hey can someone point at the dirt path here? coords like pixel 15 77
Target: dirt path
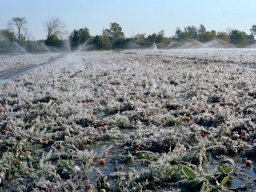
pixel 12 73
pixel 4 75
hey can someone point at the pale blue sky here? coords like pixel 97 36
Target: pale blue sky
pixel 135 16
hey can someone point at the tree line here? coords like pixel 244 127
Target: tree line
pixel 114 37
pixel 233 36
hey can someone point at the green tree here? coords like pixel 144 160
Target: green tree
pixel 202 33
pixel 102 42
pixel 9 35
pixel 140 39
pixel 223 35
pixel 190 32
pixel 162 41
pixel 158 38
pixel 115 34
pixel 79 37
pixel 54 41
pixel 179 35
pixel 238 37
pixel 210 35
pixel 152 38
pixel 74 39
pixel 7 38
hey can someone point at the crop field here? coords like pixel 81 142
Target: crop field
pixel 134 120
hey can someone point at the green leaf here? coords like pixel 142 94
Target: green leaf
pixel 225 180
pixel 189 172
pixel 227 170
pixel 64 164
pixel 224 170
pixel 205 186
pixel 220 169
pixel 202 187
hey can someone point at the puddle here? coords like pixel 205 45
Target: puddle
pixel 246 177
pixel 237 182
pixel 252 173
pixel 242 176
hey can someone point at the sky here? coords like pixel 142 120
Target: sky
pixel 134 16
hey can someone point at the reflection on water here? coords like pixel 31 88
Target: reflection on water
pixel 246 177
pixel 242 176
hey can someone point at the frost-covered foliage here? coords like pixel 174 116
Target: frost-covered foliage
pixel 146 112
pixel 8 62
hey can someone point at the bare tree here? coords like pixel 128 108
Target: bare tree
pixel 54 26
pixel 18 26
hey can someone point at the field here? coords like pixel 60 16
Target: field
pixel 135 120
